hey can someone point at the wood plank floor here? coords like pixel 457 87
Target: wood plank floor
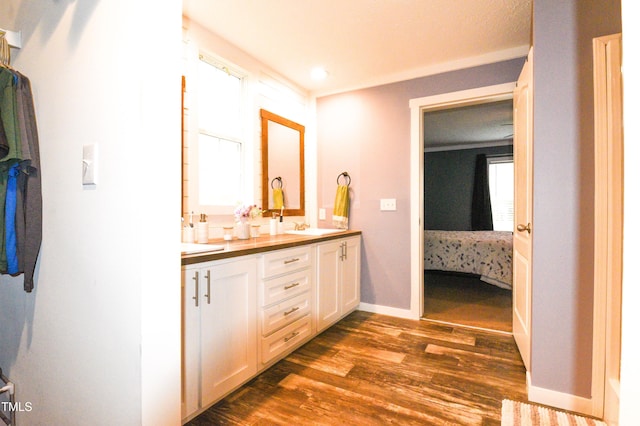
pixel 371 369
pixel 465 299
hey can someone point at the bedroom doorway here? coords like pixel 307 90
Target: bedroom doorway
pixel 454 296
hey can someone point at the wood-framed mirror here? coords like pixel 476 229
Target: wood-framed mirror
pixel 282 165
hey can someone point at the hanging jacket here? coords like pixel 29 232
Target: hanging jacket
pixel 17 116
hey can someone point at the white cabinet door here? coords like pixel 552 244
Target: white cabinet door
pixel 351 275
pixel 228 337
pixel 328 282
pixel 219 332
pixel 190 341
pixel 338 279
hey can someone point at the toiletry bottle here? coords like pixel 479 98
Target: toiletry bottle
pixel 203 230
pixel 273 225
pixel 227 233
pixel 280 226
pixel 189 234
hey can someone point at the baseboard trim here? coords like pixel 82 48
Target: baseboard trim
pixel 563 401
pixel 387 310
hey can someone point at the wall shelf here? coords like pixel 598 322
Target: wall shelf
pixel 14 38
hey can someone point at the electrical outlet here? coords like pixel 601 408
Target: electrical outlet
pixel 388 204
pixel 322 214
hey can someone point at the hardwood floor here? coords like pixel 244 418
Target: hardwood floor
pixel 371 369
pixel 465 299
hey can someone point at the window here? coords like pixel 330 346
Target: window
pixel 221 146
pixel 501 190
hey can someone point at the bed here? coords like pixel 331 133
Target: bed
pixel 484 253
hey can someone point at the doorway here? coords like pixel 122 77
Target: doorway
pixel 484 95
pixel 468 204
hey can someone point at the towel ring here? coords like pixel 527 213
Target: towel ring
pixel 347 178
pixel 279 179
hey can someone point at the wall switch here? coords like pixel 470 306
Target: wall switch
pixel 387 204
pixel 322 214
pixel 90 164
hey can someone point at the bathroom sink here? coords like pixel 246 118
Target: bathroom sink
pixel 315 231
pixel 199 248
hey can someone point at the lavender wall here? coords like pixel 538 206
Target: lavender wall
pixel 367 133
pixel 563 189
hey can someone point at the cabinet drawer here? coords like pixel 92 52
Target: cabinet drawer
pixel 283 340
pixel 282 261
pixel 277 316
pixel 280 288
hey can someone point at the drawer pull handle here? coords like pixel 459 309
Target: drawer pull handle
pixel 292 310
pixel 286 339
pixel 287 287
pixel 208 295
pixel 195 297
pixel 295 259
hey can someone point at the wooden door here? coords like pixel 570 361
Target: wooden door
pixel 523 203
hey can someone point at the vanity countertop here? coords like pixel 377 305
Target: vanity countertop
pixel 261 244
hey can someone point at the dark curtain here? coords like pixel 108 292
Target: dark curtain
pixel 481 217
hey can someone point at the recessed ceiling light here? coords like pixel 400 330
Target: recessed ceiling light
pixel 319 73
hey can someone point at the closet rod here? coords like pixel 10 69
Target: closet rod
pixel 14 38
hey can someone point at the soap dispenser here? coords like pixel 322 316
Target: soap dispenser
pixel 203 230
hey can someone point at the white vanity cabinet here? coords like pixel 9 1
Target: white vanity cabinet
pixel 219 329
pixel 286 301
pixel 244 311
pixel 338 279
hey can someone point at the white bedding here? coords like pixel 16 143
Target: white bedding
pixel 484 253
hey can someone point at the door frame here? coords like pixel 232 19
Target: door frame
pixel 608 205
pixel 418 107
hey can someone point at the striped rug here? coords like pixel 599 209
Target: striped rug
pixel 521 414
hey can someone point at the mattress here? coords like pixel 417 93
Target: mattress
pixel 484 253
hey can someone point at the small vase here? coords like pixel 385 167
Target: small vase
pixel 243 229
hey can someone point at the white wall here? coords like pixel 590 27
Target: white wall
pixel 630 368
pixel 98 340
pixel 265 89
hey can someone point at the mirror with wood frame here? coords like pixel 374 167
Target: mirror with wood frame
pixel 282 165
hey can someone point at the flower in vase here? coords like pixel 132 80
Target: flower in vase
pixel 244 213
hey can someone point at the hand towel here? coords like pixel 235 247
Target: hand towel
pixel 341 208
pixel 278 198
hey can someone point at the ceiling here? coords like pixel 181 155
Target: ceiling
pixel 470 125
pixel 363 43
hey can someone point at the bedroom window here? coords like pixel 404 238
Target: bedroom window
pixel 501 190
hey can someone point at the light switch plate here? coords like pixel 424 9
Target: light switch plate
pixel 90 164
pixel 387 204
